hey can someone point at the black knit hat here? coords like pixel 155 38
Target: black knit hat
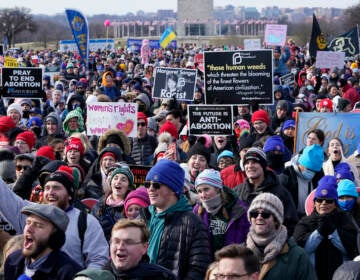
pixel 342 103
pixel 199 149
pixel 114 139
pixel 246 141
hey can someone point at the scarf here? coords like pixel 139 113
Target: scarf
pixel 114 203
pixel 272 243
pixel 213 205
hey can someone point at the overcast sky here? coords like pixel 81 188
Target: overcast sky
pixel 91 7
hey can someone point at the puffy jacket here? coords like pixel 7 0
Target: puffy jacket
pixel 232 176
pixel 143 149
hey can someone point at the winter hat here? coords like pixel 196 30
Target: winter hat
pixel 274 144
pixel 127 172
pixel 144 99
pixel 14 106
pixel 312 157
pixel 269 202
pixel 343 171
pixel 282 104
pixel 326 102
pixel 348 188
pixel 199 149
pixel 46 151
pixel 257 155
pixel 169 173
pixel 28 137
pixel 225 153
pixel 34 121
pixel 326 188
pixel 6 124
pixel 342 103
pixel 245 141
pixel 244 126
pixel 75 144
pixel 152 124
pixel 209 177
pixel 64 176
pixel 142 116
pixel 138 196
pixel 24 101
pixel 109 154
pixel 287 124
pixel 7 165
pixel 164 139
pixel 260 115
pixel 169 127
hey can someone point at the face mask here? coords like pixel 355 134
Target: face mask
pixel 308 174
pixel 346 205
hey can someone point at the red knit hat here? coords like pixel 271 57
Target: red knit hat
pixel 260 115
pixel 108 154
pixel 142 116
pixel 28 137
pixel 6 123
pixel 75 144
pixel 168 126
pixel 326 102
pixel 46 151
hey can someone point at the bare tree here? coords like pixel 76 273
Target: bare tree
pixel 14 21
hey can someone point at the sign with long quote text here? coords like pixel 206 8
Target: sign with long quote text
pixel 238 77
pixel 342 125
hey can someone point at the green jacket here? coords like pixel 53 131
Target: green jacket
pixel 292 263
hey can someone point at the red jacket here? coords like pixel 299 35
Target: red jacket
pixel 232 177
pixel 350 93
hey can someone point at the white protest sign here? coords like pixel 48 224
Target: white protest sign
pixel 275 34
pixel 102 116
pixel 252 44
pixel 327 59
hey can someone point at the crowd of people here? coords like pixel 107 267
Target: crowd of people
pixel 211 207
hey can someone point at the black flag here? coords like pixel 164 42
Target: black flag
pixel 317 41
pixel 347 43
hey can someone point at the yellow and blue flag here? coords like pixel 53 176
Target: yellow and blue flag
pixel 167 37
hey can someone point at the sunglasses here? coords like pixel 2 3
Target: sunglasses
pixel 141 124
pixel 327 200
pixel 20 167
pixel 264 215
pixel 155 185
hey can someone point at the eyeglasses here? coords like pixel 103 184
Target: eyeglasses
pixel 327 200
pixel 229 276
pixel 141 124
pixel 125 242
pixel 20 167
pixel 155 185
pixel 264 215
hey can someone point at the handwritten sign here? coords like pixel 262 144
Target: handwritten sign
pixel 275 34
pixel 252 44
pixel 327 59
pixel 342 125
pixel 210 119
pixel 102 116
pixel 238 77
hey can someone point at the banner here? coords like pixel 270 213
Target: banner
pixel 94 45
pixel 238 77
pixel 317 40
pixel 79 28
pixel 135 44
pixel 342 125
pixel 102 116
pixel 328 59
pixel 174 82
pixel 22 82
pixel 140 172
pixel 347 43
pixel 167 37
pixel 210 119
pixel 275 34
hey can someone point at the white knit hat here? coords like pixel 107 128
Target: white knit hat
pixel 14 106
pixel 269 202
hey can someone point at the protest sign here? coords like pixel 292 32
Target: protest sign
pixel 94 45
pixel 199 59
pixel 342 125
pixel 102 116
pixel 275 34
pixel 140 172
pixel 174 82
pixel 288 79
pixel 134 45
pixel 22 82
pixel 238 77
pixel 11 62
pixel 210 119
pixel 328 59
pixel 252 44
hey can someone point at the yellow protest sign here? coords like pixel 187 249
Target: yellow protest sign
pixel 11 62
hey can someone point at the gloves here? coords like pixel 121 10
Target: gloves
pixel 326 225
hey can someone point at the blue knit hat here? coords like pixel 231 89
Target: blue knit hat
pixel 209 177
pixel 326 188
pixel 312 157
pixel 287 124
pixel 225 153
pixel 342 171
pixel 169 173
pixel 347 187
pixel 274 143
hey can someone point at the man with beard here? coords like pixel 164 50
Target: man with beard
pixel 41 257
pixel 90 249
